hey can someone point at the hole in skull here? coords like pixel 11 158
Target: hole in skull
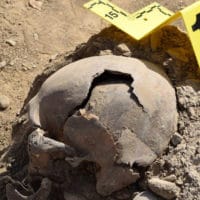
pixel 107 77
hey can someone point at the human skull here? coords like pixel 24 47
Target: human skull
pixel 114 111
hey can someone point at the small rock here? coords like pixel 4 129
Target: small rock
pixel 176 139
pixel 171 178
pixel 123 49
pixel 182 101
pixel 53 57
pixel 105 52
pixel 193 175
pixel 191 112
pixel 11 42
pixel 25 69
pixel 3 169
pixel 179 182
pixel 3 64
pixel 12 62
pixel 36 36
pixel 165 189
pixel 145 196
pixel 4 102
pixel 37 4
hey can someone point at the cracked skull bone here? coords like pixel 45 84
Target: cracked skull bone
pixel 111 110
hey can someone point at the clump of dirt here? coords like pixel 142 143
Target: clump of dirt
pixel 171 49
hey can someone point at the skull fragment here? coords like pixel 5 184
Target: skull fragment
pixel 114 111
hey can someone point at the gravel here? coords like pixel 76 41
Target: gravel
pixel 165 189
pixel 4 102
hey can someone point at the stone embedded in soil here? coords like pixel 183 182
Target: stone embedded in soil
pixel 123 49
pixel 2 64
pixel 37 4
pixel 4 102
pixel 11 42
pixel 146 195
pixel 165 189
pixel 191 112
pixel 176 139
pixel 36 36
pixel 105 52
pixel 171 178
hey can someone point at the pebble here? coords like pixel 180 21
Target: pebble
pixel 179 182
pixel 123 49
pixel 36 36
pixel 193 175
pixel 176 139
pixel 182 101
pixel 191 112
pixel 4 102
pixel 12 62
pixel 3 169
pixel 171 178
pixel 164 189
pixel 105 52
pixel 3 64
pixel 37 4
pixel 146 195
pixel 11 42
pixel 53 57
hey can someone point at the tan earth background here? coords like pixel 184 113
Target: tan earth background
pixel 35 35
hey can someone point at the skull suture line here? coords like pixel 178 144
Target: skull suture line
pixel 114 111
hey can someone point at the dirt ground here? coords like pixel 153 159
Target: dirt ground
pixel 35 39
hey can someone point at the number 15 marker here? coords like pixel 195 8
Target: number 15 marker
pixel 149 19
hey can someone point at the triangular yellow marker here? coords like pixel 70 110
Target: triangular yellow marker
pixel 148 19
pixel 138 24
pixel 191 17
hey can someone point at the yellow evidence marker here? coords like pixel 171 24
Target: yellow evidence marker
pixel 191 17
pixel 138 24
pixel 149 19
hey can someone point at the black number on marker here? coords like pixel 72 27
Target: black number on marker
pixel 111 15
pixel 196 25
